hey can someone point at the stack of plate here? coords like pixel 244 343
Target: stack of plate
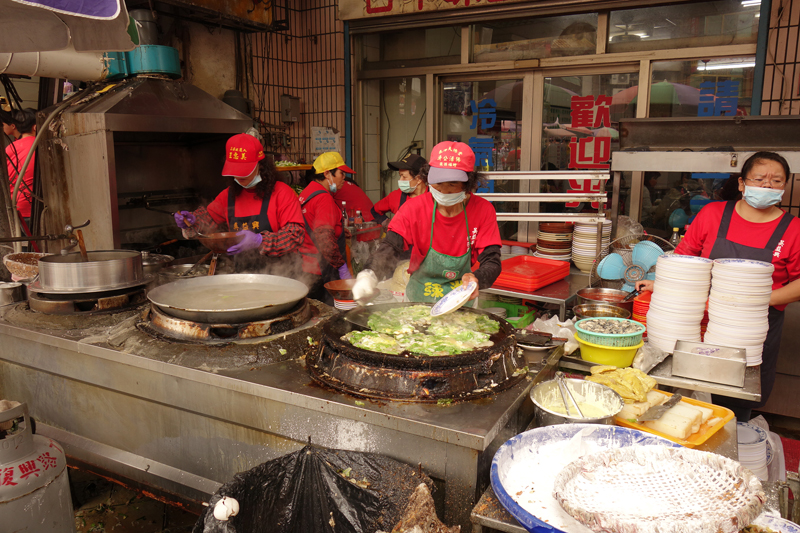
pixel 584 243
pixel 753 444
pixel 554 241
pixel 344 305
pixel 498 311
pixel 641 304
pixel 739 304
pixel 679 300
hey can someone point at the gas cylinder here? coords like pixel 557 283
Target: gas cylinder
pixel 34 487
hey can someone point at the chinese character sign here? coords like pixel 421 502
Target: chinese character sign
pixel 324 140
pixel 483 147
pixel 589 153
pixel 484 113
pixel 719 99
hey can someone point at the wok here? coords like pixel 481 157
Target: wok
pixel 220 242
pixel 228 298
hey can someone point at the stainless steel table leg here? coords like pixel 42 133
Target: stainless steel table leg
pixel 460 491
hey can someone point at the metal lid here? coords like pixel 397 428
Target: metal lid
pixel 149 259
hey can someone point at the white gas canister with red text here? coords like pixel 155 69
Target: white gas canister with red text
pixel 34 486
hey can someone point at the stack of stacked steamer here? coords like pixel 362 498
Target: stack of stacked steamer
pixel 640 306
pixel 584 243
pixel 554 241
pixel 679 300
pixel 739 304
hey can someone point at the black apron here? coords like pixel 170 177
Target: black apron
pixel 329 273
pixel 251 261
pixel 723 248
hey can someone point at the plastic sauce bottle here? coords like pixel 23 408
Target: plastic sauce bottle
pixel 676 237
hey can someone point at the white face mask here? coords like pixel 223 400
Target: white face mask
pixel 448 199
pixel 255 181
pixel 405 186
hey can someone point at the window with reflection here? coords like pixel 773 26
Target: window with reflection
pixel 411 48
pixel 487 115
pixel 581 116
pixel 512 39
pixel 684 25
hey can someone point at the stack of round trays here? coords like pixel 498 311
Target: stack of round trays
pixel 739 304
pixel 753 443
pixel 554 241
pixel 679 300
pixel 584 243
pixel 344 305
pixel 641 304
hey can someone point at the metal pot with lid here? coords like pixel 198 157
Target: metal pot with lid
pixel 152 263
pixel 105 270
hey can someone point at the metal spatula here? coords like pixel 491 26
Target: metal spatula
pixel 359 316
pixel 654 413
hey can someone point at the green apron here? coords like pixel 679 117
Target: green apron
pixel 439 273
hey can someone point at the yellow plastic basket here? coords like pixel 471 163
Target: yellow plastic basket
pixel 608 355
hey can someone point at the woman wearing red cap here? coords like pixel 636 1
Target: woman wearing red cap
pixel 448 230
pixel 256 205
pixel 324 247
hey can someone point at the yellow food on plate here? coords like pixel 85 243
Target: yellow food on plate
pixel 630 383
pixel 671 424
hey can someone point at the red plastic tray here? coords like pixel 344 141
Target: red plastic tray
pixel 527 273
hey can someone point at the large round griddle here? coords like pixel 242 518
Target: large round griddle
pixel 229 298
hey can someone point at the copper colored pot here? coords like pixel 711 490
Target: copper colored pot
pixel 341 289
pixel 220 242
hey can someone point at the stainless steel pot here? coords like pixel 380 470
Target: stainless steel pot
pixel 228 298
pixel 546 393
pixel 594 295
pixel 12 292
pixel 104 271
pixel 153 263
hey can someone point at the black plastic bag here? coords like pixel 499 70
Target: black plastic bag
pixel 317 490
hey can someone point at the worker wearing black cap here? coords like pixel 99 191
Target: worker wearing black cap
pixel 411 184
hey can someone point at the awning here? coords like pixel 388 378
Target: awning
pixel 44 25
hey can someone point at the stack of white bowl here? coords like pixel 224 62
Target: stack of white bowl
pixel 584 243
pixel 739 304
pixel 344 305
pixel 554 241
pixel 753 442
pixel 679 300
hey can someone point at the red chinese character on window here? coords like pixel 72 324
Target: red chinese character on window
pixel 590 153
pixel 7 478
pixel 602 115
pixel 27 468
pixel 582 111
pixel 47 460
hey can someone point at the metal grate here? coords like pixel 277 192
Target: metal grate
pixel 307 61
pixel 781 95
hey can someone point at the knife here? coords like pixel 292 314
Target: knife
pixel 654 413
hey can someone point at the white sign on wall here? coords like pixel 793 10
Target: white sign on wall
pixel 324 140
pixel 356 9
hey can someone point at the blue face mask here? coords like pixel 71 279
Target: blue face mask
pixel 253 183
pixel 333 186
pixel 761 197
pixel 448 199
pixel 405 186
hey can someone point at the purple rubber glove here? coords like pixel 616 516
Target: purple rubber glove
pixel 184 219
pixel 251 241
pixel 343 272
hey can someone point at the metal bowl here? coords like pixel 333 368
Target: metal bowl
pixel 602 295
pixel 547 393
pixel 341 289
pixel 220 242
pixel 599 310
pixel 153 263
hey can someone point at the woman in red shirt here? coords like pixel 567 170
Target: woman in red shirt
pixel 448 230
pixel 256 205
pixel 753 228
pixel 20 125
pixel 410 185
pixel 324 247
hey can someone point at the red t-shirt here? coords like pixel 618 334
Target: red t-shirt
pixel 283 207
pixel 413 223
pixel 16 153
pixel 320 211
pixel 390 203
pixel 702 233
pixel 357 200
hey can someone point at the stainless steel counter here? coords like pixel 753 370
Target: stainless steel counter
pixel 183 418
pixel 662 373
pixel 561 293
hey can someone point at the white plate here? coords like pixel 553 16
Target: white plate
pixel 778 525
pixel 453 299
pixel 748 434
